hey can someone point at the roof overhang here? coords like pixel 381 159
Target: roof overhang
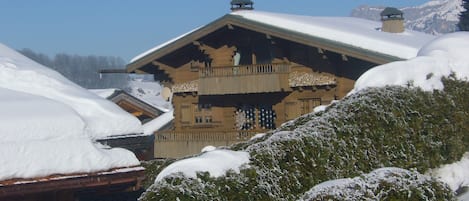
pixel 235 20
pixel 129 178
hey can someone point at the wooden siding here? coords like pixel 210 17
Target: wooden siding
pixel 256 78
pixel 180 144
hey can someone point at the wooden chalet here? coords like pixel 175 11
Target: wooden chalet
pixel 249 71
pixel 120 184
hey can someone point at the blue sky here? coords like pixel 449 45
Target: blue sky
pixel 127 28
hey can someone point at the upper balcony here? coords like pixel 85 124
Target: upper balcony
pixel 244 79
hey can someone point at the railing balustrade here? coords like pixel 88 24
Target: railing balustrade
pixel 204 136
pixel 241 70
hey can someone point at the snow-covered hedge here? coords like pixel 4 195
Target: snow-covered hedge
pixel 400 127
pixel 381 184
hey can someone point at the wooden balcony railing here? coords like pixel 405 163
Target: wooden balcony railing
pixel 253 69
pixel 205 136
pixel 255 78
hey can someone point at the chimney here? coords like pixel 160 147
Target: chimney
pixel 241 5
pixel 393 20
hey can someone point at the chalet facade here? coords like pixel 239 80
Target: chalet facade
pixel 250 71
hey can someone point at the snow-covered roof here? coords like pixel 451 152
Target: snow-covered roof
pixel 158 123
pixel 48 123
pixel 350 32
pixel 105 93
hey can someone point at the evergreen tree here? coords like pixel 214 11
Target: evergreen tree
pixel 84 70
pixel 464 17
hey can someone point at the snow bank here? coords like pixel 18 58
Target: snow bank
pixel 102 118
pixel 216 162
pixel 456 175
pixel 438 58
pixel 47 122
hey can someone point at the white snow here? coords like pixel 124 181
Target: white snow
pixel 102 118
pixel 47 123
pixel 441 57
pixel 216 162
pixel 150 93
pixel 104 93
pixel 159 46
pixel 208 148
pixel 456 175
pixel 157 123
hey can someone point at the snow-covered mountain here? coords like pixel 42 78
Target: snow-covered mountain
pixel 434 17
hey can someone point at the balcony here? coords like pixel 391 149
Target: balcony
pixel 244 79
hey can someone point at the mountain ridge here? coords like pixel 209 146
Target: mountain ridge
pixel 434 17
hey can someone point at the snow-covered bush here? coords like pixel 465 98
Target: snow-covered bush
pixel 381 184
pixel 374 128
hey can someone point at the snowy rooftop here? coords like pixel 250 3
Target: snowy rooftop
pixel 48 124
pixel 349 31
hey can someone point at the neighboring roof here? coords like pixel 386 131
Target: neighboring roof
pixel 158 123
pixel 346 35
pixel 117 95
pixel 48 124
pixel 123 178
pixel 389 11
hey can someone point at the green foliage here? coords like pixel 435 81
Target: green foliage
pixel 378 127
pixel 153 168
pixel 464 17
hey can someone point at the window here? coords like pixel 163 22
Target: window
pixel 203 114
pixel 249 117
pixel 267 117
pixel 245 117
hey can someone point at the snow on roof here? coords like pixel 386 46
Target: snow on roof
pixel 352 31
pixel 157 123
pixel 439 58
pixel 47 123
pixel 159 46
pixel 104 93
pixel 102 118
pixel 355 32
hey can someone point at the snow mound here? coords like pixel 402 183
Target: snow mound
pixel 102 118
pixel 47 123
pixel 215 162
pixel 439 58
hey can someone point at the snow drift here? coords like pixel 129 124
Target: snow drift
pixel 47 123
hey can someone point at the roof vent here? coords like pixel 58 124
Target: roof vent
pixel 241 5
pixel 393 20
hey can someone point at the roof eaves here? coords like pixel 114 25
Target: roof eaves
pixel 178 43
pixel 313 40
